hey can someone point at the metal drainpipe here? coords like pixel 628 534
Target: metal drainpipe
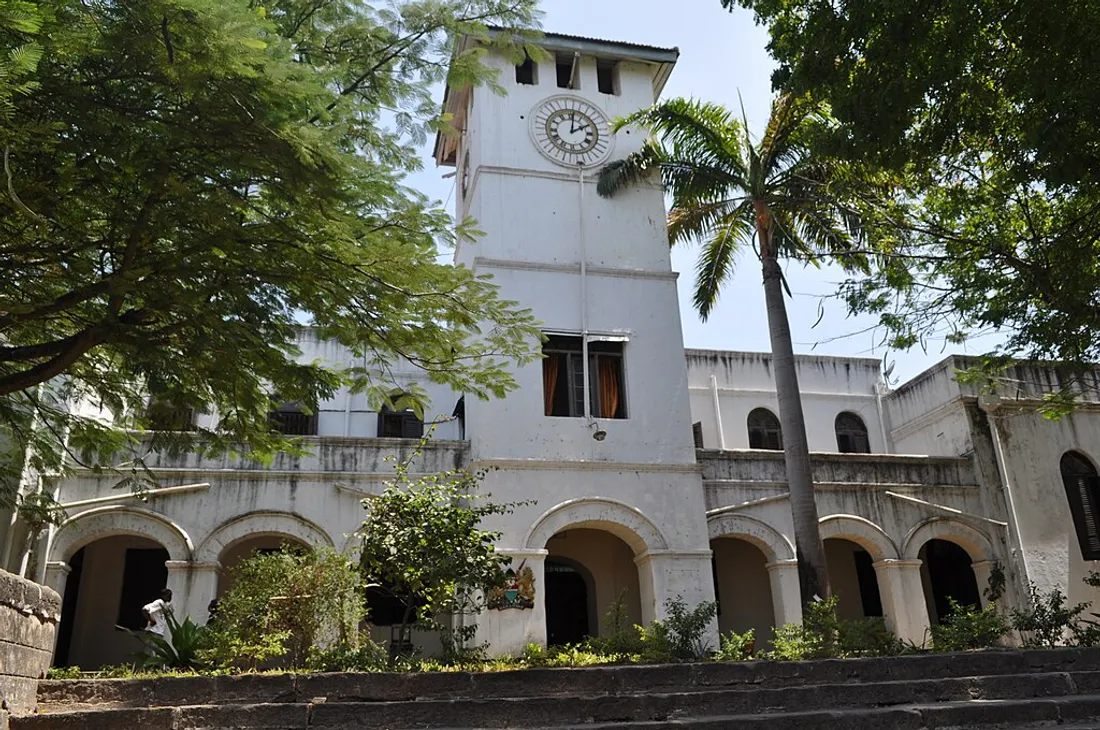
pixel 584 295
pixel 717 412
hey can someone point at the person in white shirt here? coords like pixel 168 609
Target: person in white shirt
pixel 156 614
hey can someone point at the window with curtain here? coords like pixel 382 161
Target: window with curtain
pixel 851 435
pixel 563 378
pixel 764 430
pixel 1082 485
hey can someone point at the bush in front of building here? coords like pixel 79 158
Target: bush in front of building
pixel 284 604
pixel 824 635
pixel 967 627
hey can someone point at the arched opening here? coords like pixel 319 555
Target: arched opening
pixel 605 566
pixel 851 434
pixel 243 549
pixel 111 579
pixel 946 573
pixel 567 604
pixel 1082 486
pixel 764 430
pixel 853 579
pixel 742 588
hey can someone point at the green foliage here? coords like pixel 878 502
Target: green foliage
pixel 823 635
pixel 64 673
pixel 181 650
pixel 618 635
pixel 680 637
pixel 362 655
pixel 285 603
pixel 1047 621
pixel 185 182
pixel 946 76
pixel 735 647
pixel 422 542
pixel 995 168
pixel 967 627
pixel 716 174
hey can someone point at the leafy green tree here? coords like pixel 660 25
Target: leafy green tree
pixel 987 113
pixel 422 544
pixel 188 181
pixel 777 197
pixel 283 604
pixel 910 81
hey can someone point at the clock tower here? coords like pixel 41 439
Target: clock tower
pixel 597 439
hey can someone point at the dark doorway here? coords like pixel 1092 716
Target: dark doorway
pixel 566 605
pixel 68 609
pixel 143 578
pixel 869 594
pixel 950 576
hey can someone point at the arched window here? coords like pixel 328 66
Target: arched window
pixel 1083 493
pixel 764 430
pixel 851 434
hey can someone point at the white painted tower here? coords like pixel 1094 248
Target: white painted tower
pixel 605 448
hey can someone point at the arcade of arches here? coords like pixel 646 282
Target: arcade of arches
pixel 744 589
pixel 127 572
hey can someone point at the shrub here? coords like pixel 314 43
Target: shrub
pixel 619 635
pixel 969 628
pixel 1048 621
pixel 64 673
pixel 423 543
pixel 681 636
pixel 735 647
pixel 285 603
pixel 181 651
pixel 823 634
pixel 364 655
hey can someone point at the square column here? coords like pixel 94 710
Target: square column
pixel 786 592
pixel 666 575
pixel 193 586
pixel 57 577
pixel 902 592
pixel 508 631
pixel 982 571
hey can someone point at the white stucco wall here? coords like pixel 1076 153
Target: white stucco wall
pixel 745 381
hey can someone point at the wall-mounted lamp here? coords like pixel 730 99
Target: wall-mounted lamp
pixel 599 434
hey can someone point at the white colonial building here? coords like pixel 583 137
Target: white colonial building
pixel 652 472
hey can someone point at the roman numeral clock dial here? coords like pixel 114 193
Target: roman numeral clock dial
pixel 571 132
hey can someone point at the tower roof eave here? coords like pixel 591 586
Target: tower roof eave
pixel 663 60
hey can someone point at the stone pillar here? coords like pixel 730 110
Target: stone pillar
pixel 903 602
pixel 29 615
pixel 982 570
pixel 663 576
pixel 509 630
pixel 786 592
pixel 193 586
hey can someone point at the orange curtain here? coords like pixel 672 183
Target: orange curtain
pixel 549 382
pixel 609 387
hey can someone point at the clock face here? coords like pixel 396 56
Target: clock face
pixel 571 132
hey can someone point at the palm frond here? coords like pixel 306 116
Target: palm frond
pixel 631 170
pixel 718 258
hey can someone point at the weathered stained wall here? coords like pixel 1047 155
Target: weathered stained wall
pixel 744 381
pixel 28 622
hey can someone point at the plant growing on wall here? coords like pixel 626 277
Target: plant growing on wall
pixel 422 542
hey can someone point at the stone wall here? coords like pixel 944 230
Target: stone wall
pixel 29 614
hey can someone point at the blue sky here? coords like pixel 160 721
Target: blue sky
pixel 722 56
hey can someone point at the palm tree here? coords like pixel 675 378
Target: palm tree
pixel 775 195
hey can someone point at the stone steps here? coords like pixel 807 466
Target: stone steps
pixel 1007 689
